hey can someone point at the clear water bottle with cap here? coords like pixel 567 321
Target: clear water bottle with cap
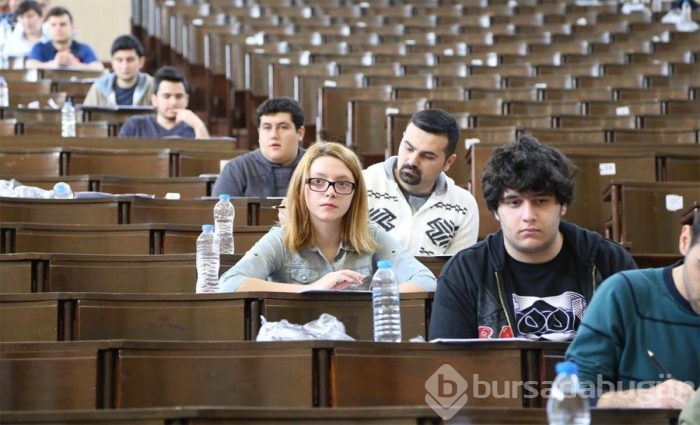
pixel 4 93
pixel 207 260
pixel 62 190
pixel 386 304
pixel 567 404
pixel 68 120
pixel 224 213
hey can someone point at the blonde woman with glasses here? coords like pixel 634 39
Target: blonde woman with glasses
pixel 327 241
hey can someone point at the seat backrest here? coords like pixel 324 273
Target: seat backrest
pixel 120 162
pixel 31 162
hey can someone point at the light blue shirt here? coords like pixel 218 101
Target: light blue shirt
pixel 269 259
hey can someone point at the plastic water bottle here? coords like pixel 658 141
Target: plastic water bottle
pixel 207 260
pixel 566 404
pixel 68 120
pixel 4 93
pixel 224 214
pixel 386 304
pixel 62 190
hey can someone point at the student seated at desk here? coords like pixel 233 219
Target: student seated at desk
pixel 535 276
pixel 172 118
pixel 126 84
pixel 27 33
pixel 62 51
pixel 634 313
pixel 326 242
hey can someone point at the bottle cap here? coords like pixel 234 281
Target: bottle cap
pixel 224 197
pixel 384 264
pixel 208 228
pixel 568 368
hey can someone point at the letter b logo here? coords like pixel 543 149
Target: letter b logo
pixel 446 391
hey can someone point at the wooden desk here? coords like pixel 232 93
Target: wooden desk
pixel 640 219
pixel 57 316
pixel 354 309
pixel 115 117
pixel 65 211
pixel 300 374
pixel 184 316
pixel 127 239
pixel 150 274
pixel 344 416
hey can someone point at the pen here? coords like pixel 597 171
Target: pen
pixel 279 207
pixel 658 363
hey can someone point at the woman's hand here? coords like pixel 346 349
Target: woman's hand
pixel 339 280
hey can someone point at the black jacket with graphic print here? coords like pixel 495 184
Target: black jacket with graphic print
pixel 473 299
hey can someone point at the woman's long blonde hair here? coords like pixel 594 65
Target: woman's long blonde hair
pixel 298 231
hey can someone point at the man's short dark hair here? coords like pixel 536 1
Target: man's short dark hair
pixel 59 11
pixel 282 104
pixel 437 121
pixel 127 42
pixel 169 73
pixel 26 6
pixel 528 166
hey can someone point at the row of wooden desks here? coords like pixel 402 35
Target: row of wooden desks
pixel 125 209
pixel 302 374
pixel 343 416
pixel 74 316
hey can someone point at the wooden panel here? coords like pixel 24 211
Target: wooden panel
pixel 195 212
pixel 48 380
pixel 30 162
pixel 187 187
pixel 588 209
pixel 225 377
pixel 67 238
pixel 29 319
pixel 342 416
pixel 159 318
pixel 367 131
pixel 180 239
pixel 123 162
pixel 394 385
pixel 16 275
pixel 657 229
pixel 353 309
pixel 333 108
pixel 125 273
pixel 69 211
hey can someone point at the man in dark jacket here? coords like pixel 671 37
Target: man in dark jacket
pixel 535 276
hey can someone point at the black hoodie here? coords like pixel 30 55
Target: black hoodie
pixel 473 298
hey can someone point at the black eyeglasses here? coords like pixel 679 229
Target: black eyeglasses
pixel 321 185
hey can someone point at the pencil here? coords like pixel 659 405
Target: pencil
pixel 658 363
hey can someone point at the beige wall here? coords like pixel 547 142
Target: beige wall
pixel 99 22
